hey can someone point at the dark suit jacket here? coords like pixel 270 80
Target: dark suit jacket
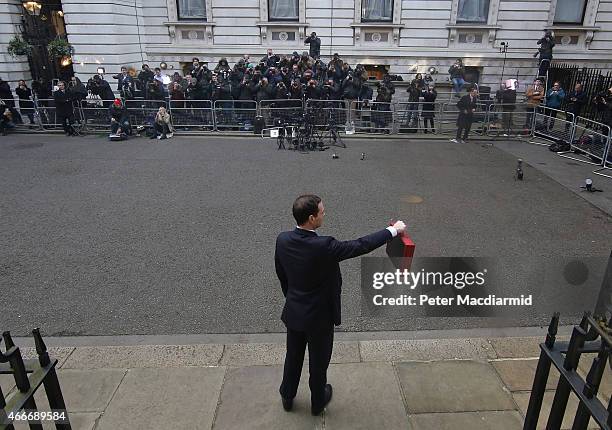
pixel 309 273
pixel 466 104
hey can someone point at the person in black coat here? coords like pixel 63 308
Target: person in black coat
pixel 429 108
pixel 307 266
pixel 315 45
pixel 7 97
pixel 120 122
pixel 545 52
pixel 26 105
pixel 466 106
pixel 64 109
pixel 507 98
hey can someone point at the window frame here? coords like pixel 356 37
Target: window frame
pixel 182 19
pixel 485 22
pixel 584 11
pixel 367 21
pixel 272 19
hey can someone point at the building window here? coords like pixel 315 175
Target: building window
pixel 283 10
pixel 377 10
pixel 191 9
pixel 570 11
pixel 473 11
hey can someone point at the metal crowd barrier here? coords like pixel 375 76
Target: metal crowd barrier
pixel 411 117
pixel 236 115
pixel 193 115
pixel 449 114
pixel 591 139
pixel 334 113
pixel 509 119
pixel 547 124
pixel 371 117
pixel 142 112
pixel 280 110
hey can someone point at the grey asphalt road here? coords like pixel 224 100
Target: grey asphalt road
pixel 150 237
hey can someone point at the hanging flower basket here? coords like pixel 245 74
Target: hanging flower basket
pixel 60 48
pixel 17 46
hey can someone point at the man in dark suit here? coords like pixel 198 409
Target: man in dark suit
pixel 309 273
pixel 466 106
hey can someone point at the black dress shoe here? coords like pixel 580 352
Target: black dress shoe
pixel 287 404
pixel 328 396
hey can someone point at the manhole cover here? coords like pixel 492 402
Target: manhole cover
pixel 412 199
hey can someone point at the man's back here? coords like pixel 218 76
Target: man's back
pixel 308 268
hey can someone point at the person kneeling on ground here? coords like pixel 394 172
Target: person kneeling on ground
pixel 6 120
pixel 120 123
pixel 163 128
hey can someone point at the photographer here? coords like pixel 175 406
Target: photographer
pixel 296 92
pixel 414 96
pixel 26 106
pixel 382 109
pixel 315 45
pixel 330 90
pixel 350 88
pixel 554 99
pixel 222 67
pixel 119 118
pixel 507 98
pixel 64 109
pixel 534 94
pixel 419 82
pixel 282 92
pixel 545 52
pixel 429 107
pixel 163 125
pixel 312 90
pixel 125 84
pixel 6 119
pixel 457 76
pixel 576 101
pixel 270 59
pixel 144 77
pixel 99 87
pixel 7 96
pixel 78 90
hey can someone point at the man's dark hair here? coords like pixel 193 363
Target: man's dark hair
pixel 304 206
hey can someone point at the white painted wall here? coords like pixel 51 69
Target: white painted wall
pixel 107 32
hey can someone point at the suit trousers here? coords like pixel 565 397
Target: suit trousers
pixel 320 344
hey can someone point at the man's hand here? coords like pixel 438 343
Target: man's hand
pixel 399 226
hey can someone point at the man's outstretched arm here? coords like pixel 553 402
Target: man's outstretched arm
pixel 343 250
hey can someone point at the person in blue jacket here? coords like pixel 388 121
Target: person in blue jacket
pixel 554 100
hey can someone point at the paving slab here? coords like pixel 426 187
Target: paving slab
pixel 425 350
pixel 366 396
pixel 144 356
pixel 520 347
pixel 492 420
pixel 522 400
pixel 253 354
pixel 250 400
pixel 85 390
pixel 518 374
pixel 517 347
pixel 164 398
pixel 7 383
pixel 452 386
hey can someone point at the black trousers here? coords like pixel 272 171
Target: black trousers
pixel 66 121
pixel 465 129
pixel 320 344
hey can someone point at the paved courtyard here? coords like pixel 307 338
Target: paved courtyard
pixel 150 237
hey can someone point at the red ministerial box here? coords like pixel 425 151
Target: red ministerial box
pixel 401 250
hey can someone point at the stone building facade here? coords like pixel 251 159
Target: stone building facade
pixel 401 36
